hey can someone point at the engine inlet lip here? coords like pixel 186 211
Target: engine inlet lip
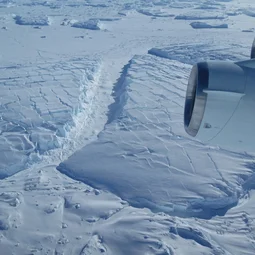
pixel 196 98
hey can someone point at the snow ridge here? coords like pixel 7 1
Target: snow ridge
pixel 81 128
pixel 119 94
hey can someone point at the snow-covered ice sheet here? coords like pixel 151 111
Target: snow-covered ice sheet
pixel 144 135
pixel 105 108
pixel 39 104
pixel 43 212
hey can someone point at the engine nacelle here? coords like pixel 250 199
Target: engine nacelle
pixel 220 103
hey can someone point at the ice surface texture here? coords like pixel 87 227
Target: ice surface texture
pixel 140 186
pixel 39 103
pixel 144 134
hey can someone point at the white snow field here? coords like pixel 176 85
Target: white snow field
pixel 94 158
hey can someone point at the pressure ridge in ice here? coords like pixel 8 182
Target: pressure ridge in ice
pixel 201 25
pixel 32 21
pixel 192 53
pixel 201 15
pixel 93 24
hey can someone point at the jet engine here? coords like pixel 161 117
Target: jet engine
pixel 220 103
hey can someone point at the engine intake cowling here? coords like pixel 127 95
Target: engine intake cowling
pixel 220 103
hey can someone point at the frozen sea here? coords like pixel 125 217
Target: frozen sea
pixel 94 158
